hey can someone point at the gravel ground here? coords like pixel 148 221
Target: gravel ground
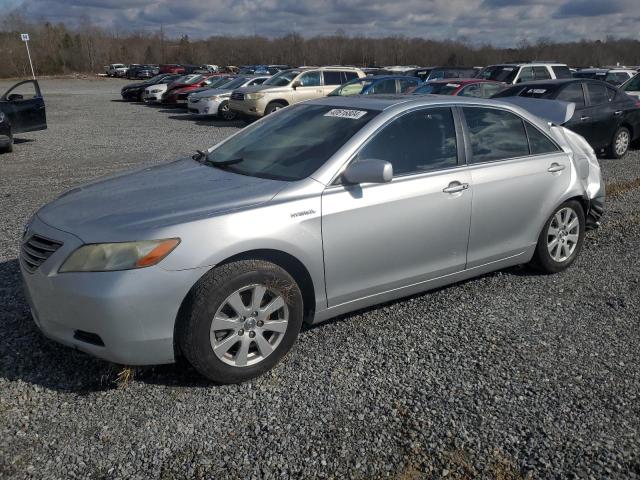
pixel 511 375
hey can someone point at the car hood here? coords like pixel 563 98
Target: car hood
pixel 211 91
pixel 259 88
pixel 134 204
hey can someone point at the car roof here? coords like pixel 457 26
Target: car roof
pixel 560 81
pixel 384 102
pixel 385 77
pixel 463 81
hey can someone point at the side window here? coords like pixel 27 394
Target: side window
pixel 539 143
pixel 526 74
pixel 597 93
pixel 572 93
pixel 348 76
pixel 420 141
pixel 561 71
pixel 384 86
pixel 474 90
pixel 541 73
pixel 22 91
pixel 257 81
pixel 332 78
pixel 406 85
pixel 495 134
pixel 310 79
pixel 490 89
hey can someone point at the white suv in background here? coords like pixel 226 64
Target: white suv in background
pixel 512 73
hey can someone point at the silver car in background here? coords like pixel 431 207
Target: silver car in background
pixel 322 208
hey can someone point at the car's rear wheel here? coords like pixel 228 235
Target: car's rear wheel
pixel 620 143
pixel 240 320
pixel 273 106
pixel 225 112
pixel 561 239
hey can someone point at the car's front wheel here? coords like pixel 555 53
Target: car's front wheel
pixel 273 106
pixel 225 112
pixel 620 143
pixel 240 320
pixel 561 239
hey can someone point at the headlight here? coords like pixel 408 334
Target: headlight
pixel 215 98
pixel 254 96
pixel 106 257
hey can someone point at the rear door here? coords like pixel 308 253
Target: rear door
pixel 332 79
pixel 581 121
pixel 24 106
pixel 518 175
pixel 602 110
pixel 380 237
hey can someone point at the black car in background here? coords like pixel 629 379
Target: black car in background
pixel 22 110
pixel 135 91
pixel 605 116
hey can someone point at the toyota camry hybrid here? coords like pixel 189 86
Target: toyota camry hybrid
pixel 319 209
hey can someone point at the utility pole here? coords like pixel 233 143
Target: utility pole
pixel 25 38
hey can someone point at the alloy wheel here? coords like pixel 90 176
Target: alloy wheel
pixel 622 143
pixel 563 234
pixel 249 325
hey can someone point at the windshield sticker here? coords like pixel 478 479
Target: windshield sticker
pixel 537 90
pixel 342 113
pixel 454 85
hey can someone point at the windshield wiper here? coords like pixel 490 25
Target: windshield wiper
pixel 203 158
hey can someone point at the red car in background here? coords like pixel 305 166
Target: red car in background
pixel 177 92
pixel 172 68
pixel 466 87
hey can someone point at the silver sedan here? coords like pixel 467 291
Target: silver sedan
pixel 319 209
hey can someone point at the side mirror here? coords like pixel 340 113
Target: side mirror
pixel 15 96
pixel 368 171
pixel 296 84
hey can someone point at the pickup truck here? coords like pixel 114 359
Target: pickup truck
pixel 116 70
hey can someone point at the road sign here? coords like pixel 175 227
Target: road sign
pixel 24 37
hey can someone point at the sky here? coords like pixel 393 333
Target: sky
pixel 500 22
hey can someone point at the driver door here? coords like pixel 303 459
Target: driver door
pixel 24 106
pixel 310 87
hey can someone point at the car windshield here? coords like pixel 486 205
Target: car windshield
pixel 234 83
pixel 439 88
pixel 499 73
pixel 293 143
pixel 632 84
pixel 194 79
pixel 157 78
pixel 354 87
pixel 282 79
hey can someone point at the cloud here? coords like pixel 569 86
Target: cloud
pixel 501 22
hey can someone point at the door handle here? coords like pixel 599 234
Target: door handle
pixel 617 113
pixel 455 187
pixel 584 118
pixel 555 167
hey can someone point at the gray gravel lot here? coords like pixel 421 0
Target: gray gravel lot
pixel 511 375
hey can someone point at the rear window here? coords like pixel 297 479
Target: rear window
pixel 561 71
pixel 572 93
pixel 539 143
pixel 499 73
pixel 597 93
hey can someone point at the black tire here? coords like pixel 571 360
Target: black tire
pixel 225 113
pixel 273 106
pixel 9 147
pixel 210 294
pixel 543 259
pixel 616 149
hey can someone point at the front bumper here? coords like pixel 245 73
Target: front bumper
pixel 252 108
pixel 132 312
pixel 153 97
pixel 209 107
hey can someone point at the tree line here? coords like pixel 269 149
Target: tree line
pixel 57 49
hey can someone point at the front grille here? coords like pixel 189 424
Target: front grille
pixel 36 250
pixel 237 96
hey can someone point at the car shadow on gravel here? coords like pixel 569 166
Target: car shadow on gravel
pixel 208 122
pixel 27 356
